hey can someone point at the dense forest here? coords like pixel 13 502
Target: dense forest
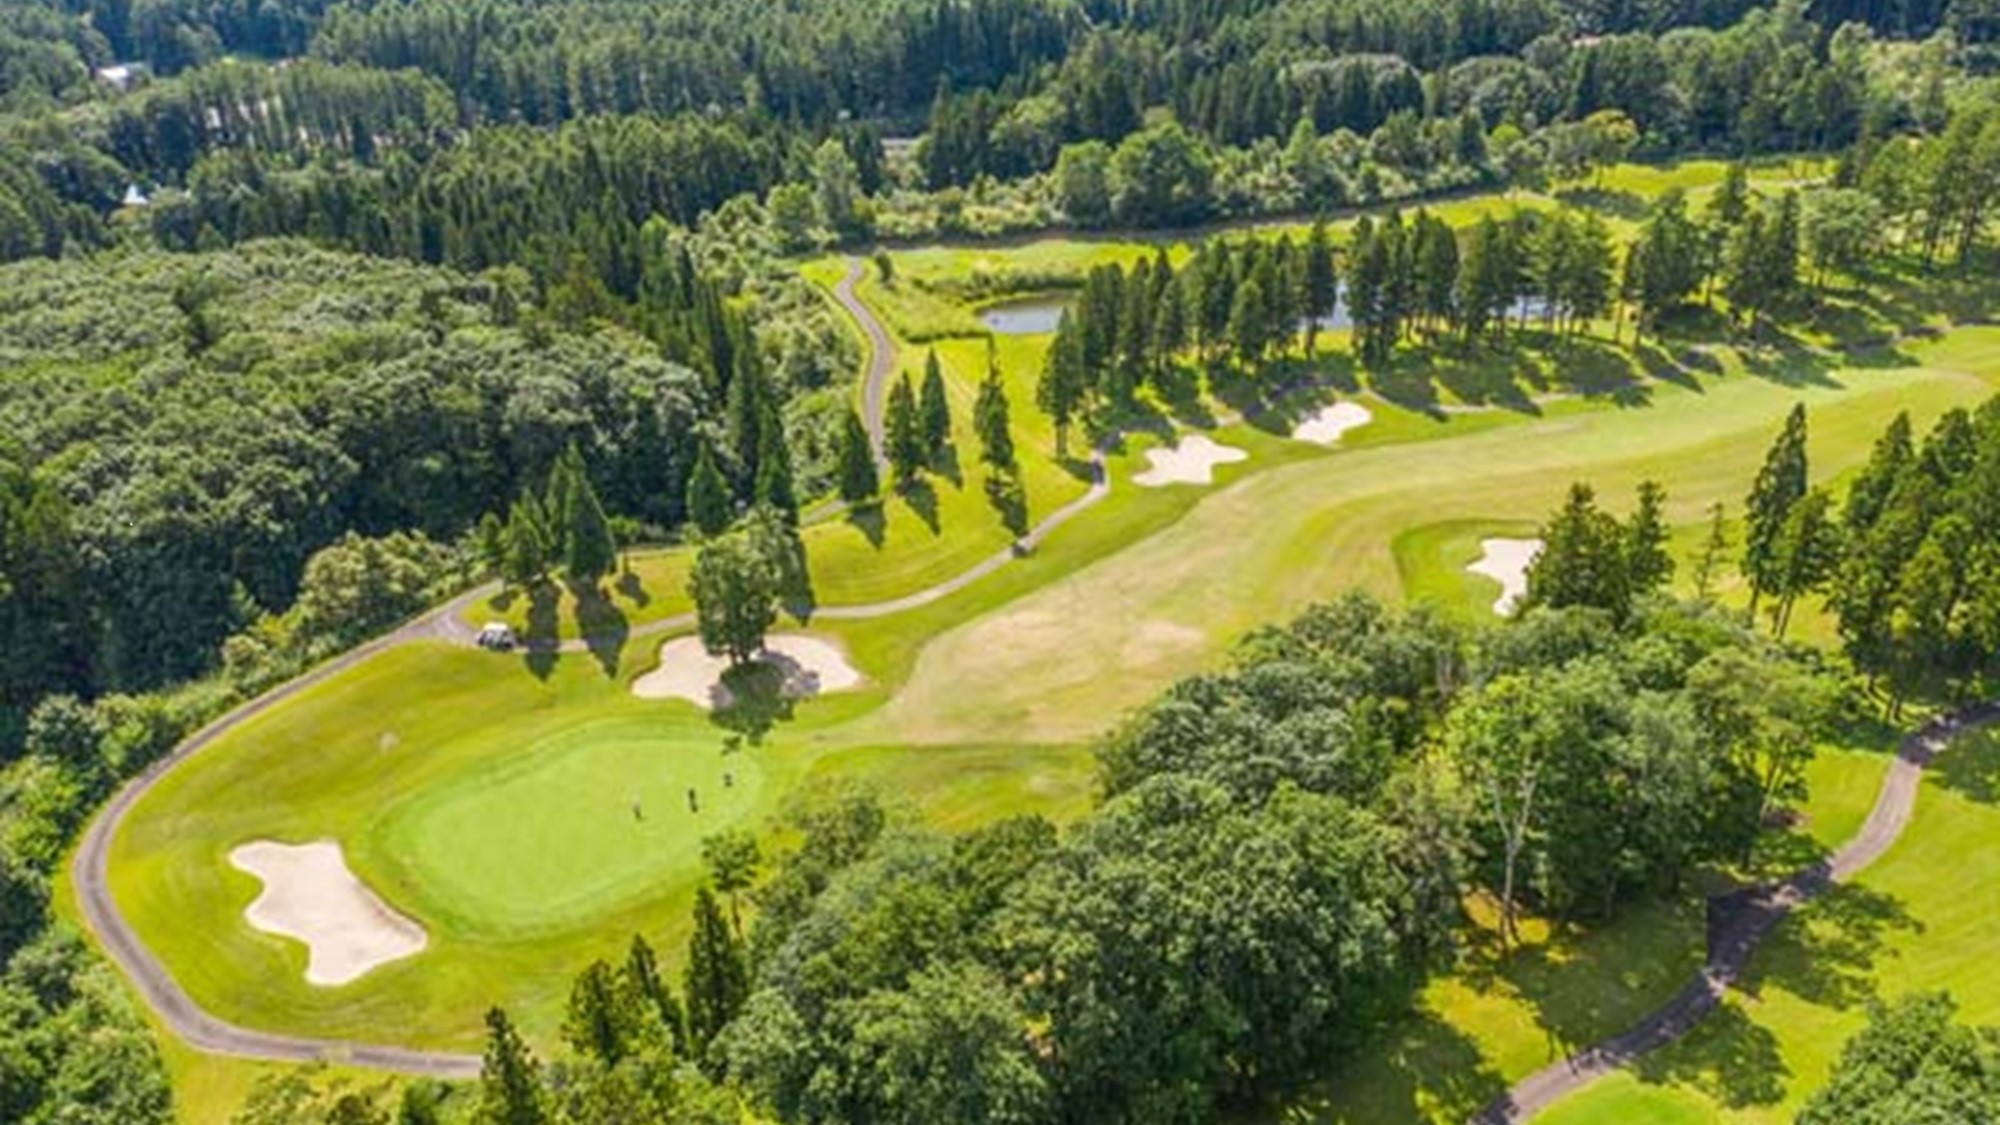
pixel 313 310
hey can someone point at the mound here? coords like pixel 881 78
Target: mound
pixel 1506 561
pixel 1190 461
pixel 807 666
pixel 311 896
pixel 1327 425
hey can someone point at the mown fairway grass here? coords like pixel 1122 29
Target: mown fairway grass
pixel 499 813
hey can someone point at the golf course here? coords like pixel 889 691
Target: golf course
pixel 513 817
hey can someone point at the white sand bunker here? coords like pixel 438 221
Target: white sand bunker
pixel 808 665
pixel 1325 426
pixel 309 894
pixel 1191 461
pixel 1506 561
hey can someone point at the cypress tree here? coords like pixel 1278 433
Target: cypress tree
pixel 858 480
pixel 708 504
pixel 1321 290
pixel 1780 484
pixel 934 410
pixel 989 415
pixel 642 978
pixel 1061 389
pixel 1648 566
pixel 510 1085
pixel 774 486
pixel 589 550
pixel 906 436
pixel 718 981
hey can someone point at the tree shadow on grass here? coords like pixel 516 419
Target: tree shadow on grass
pixel 632 590
pixel 922 498
pixel 760 697
pixel 602 625
pixel 1179 390
pixel 1418 1068
pixel 1826 953
pixel 870 521
pixel 543 637
pixel 1586 984
pixel 1730 1057
pixel 1970 767
pixel 1596 369
pixel 945 464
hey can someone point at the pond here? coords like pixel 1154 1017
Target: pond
pixel 1028 316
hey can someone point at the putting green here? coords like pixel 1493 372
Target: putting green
pixel 580 821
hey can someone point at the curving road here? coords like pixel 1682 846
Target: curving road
pixel 90 867
pixel 881 355
pixel 1731 946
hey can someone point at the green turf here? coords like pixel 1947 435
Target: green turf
pixel 499 813
pixel 1921 918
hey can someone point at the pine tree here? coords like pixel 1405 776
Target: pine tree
pixel 1869 496
pixel 510 1085
pixel 1780 485
pixel 906 435
pixel 589 550
pixel 858 480
pixel 1712 550
pixel 774 488
pixel 1248 331
pixel 1584 559
pixel 1648 565
pixel 934 410
pixel 708 504
pixel 1060 392
pixel 527 557
pixel 1806 552
pixel 717 979
pixel 989 415
pixel 492 544
pixel 1321 288
pixel 599 1021
pixel 643 981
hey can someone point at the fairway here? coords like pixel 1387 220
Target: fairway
pixel 532 813
pixel 582 820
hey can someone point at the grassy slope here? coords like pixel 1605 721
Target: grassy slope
pixel 1392 482
pixel 1919 919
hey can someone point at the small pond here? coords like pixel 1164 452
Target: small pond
pixel 1028 316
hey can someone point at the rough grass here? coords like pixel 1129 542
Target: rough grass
pixel 1921 918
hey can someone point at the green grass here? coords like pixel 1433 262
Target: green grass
pixel 1921 918
pixel 499 813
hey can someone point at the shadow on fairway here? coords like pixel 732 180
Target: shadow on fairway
pixel 543 636
pixel 1421 1069
pixel 1971 768
pixel 602 625
pixel 869 521
pixel 1826 954
pixel 1734 1060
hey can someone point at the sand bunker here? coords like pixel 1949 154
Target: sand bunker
pixel 1191 461
pixel 310 895
pixel 808 666
pixel 1326 426
pixel 1506 561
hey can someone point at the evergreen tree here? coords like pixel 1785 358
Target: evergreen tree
pixel 589 551
pixel 934 410
pixel 906 433
pixel 1060 391
pixel 1584 559
pixel 599 1021
pixel 1249 333
pixel 1780 485
pixel 774 487
pixel 709 507
pixel 717 978
pixel 1806 552
pixel 1648 565
pixel 650 990
pixel 989 414
pixel 858 479
pixel 1712 550
pixel 510 1084
pixel 1321 288
pixel 527 555
pixel 1869 496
